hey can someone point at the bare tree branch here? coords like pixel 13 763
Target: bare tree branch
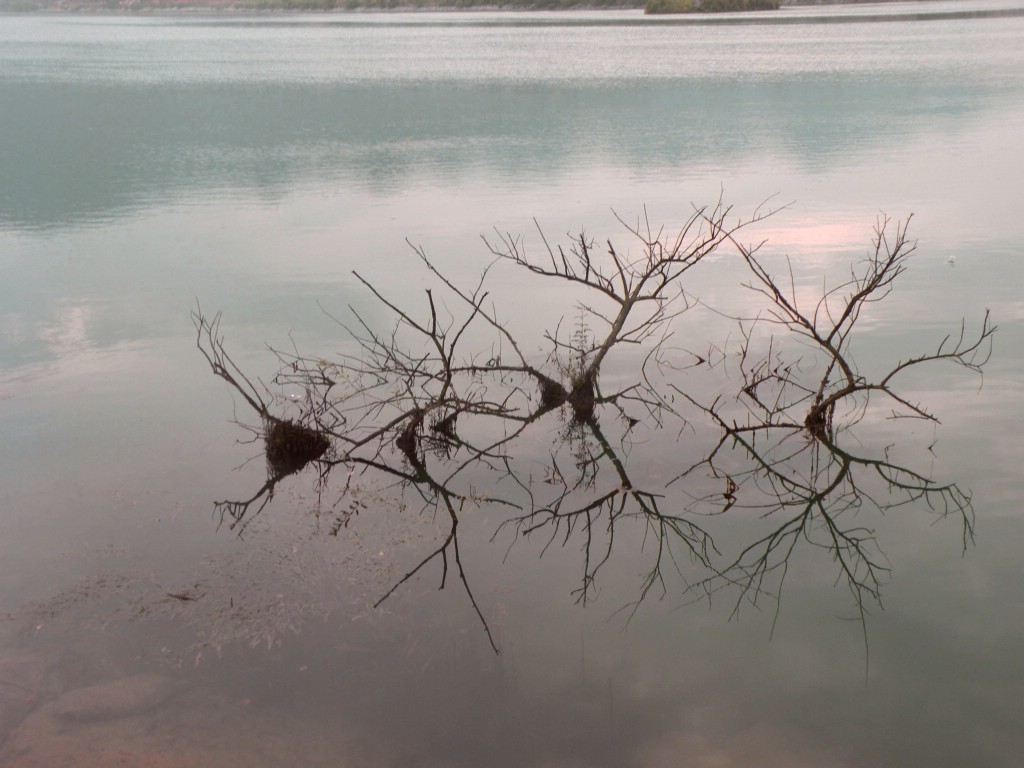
pixel 444 401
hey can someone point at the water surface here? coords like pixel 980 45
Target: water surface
pixel 250 164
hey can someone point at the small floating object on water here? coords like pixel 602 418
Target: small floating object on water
pixel 951 260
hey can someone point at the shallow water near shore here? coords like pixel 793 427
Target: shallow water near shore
pixel 250 164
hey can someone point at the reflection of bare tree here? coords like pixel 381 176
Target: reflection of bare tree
pixel 806 490
pixel 442 403
pixel 597 496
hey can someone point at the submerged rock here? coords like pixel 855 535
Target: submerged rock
pixel 120 698
pixel 23 685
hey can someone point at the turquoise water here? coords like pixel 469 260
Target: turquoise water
pixel 251 163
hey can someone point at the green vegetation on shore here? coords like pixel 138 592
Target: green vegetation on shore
pixel 709 6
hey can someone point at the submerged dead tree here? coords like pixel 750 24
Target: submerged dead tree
pixel 447 406
pixel 288 445
pixel 782 452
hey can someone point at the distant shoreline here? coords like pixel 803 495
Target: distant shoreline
pixel 341 8
pixel 231 7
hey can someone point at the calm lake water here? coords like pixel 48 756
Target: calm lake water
pixel 250 164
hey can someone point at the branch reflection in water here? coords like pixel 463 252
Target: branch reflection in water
pixel 446 402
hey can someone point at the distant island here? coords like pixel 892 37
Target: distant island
pixel 709 6
pixel 261 6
